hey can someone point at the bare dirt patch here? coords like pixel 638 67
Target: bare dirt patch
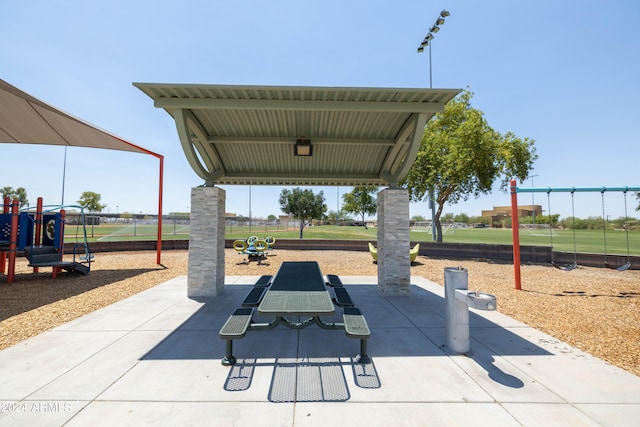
pixel 594 309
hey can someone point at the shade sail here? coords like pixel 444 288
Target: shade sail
pixel 25 119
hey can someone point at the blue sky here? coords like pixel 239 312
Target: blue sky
pixel 564 73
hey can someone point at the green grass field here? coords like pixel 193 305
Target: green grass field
pixel 587 241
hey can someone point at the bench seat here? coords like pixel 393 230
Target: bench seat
pixel 355 326
pixel 342 298
pixel 254 297
pixel 333 280
pixel 263 281
pixel 236 326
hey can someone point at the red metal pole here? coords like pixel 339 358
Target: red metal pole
pixel 3 254
pixel 13 241
pixel 161 158
pixel 159 242
pixel 515 229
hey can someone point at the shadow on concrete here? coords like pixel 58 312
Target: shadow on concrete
pixel 401 326
pixel 304 380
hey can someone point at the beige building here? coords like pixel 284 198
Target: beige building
pixel 501 212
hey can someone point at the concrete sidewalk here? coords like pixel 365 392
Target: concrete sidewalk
pixel 154 359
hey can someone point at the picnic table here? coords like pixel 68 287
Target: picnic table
pixel 297 290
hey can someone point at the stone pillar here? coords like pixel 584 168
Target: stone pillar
pixel 206 243
pixel 394 266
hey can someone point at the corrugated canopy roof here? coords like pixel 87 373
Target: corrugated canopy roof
pixel 246 134
pixel 28 120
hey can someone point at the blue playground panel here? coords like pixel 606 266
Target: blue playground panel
pixel 52 227
pixel 25 229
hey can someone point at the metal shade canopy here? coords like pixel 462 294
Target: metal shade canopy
pixel 247 134
pixel 25 119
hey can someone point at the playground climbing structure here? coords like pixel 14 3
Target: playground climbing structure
pixel 39 236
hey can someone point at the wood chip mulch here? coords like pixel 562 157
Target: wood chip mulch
pixel 594 309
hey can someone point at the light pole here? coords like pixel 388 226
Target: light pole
pixel 337 203
pixel 427 42
pixel 64 173
pixel 430 36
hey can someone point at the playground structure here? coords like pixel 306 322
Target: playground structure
pixel 254 248
pixel 39 236
pixel 602 190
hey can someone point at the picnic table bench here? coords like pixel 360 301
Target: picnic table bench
pixel 298 289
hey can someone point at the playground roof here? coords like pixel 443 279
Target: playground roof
pixel 25 119
pixel 247 134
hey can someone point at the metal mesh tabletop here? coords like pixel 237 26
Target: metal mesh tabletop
pixel 298 289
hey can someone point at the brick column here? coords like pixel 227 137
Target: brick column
pixel 206 243
pixel 394 274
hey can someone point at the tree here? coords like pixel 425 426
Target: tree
pixel 463 218
pixel 477 220
pixel 448 217
pixel 302 205
pixel 19 193
pixel 462 156
pixel 360 201
pixel 335 217
pixel 91 201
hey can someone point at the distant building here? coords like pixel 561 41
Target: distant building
pixel 500 213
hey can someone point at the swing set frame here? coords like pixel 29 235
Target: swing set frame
pixel 515 223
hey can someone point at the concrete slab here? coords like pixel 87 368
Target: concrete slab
pixel 155 358
pixel 402 414
pixel 214 414
pixel 87 380
pixel 34 363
